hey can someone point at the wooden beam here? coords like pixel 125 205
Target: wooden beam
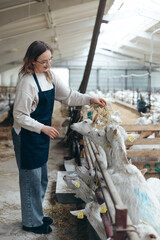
pixel 140 128
pixel 145 134
pixel 24 39
pixel 144 141
pixel 152 166
pixel 155 153
pixel 96 31
pixel 22 11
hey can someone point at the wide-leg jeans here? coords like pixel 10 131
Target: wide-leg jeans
pixel 33 185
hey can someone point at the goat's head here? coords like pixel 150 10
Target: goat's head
pixel 115 135
pixel 98 137
pixel 83 127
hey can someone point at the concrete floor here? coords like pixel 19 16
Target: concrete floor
pixel 10 211
pixel 65 226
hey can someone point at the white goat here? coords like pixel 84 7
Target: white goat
pixel 154 183
pixel 86 128
pixel 135 193
pixel 116 117
pixel 88 176
pixel 146 232
pixel 92 211
pixel 144 121
pixel 81 189
pixel 148 118
pixel 83 127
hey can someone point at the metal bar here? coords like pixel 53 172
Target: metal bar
pixel 91 158
pixel 119 206
pixel 105 192
pixel 100 13
pixel 108 201
pixel 90 151
pixel 116 198
pixel 107 225
pixel 90 164
pixel 105 21
pixel 105 218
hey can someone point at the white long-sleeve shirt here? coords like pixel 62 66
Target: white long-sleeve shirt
pixel 26 100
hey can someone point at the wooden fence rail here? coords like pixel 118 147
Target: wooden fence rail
pixel 151 162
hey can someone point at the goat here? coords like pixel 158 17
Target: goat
pixel 134 191
pixel 92 212
pixel 81 189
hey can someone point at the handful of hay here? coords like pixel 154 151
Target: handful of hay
pixel 101 116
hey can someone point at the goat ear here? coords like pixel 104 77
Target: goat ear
pixel 76 212
pixel 152 236
pixel 143 171
pixel 94 119
pixel 115 132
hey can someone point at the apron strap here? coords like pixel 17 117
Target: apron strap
pixel 36 80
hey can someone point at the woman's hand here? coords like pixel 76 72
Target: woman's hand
pixel 99 101
pixel 50 131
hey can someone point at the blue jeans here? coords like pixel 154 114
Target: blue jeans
pixel 33 185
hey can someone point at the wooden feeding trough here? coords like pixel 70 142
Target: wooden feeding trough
pixel 152 164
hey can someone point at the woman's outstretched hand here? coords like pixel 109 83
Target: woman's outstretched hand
pixel 99 101
pixel 50 131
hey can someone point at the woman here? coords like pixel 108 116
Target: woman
pixel 32 130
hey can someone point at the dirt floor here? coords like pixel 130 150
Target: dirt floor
pixel 128 116
pixel 65 226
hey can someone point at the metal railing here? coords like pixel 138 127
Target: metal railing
pixel 117 223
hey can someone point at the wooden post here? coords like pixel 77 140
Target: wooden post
pixel 121 223
pixel 100 13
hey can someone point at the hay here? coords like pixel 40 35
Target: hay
pixel 101 116
pixel 61 214
pixel 67 226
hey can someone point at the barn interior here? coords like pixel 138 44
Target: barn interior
pixel 105 48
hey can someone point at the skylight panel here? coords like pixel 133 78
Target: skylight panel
pixel 125 21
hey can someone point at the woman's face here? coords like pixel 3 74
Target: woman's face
pixel 43 62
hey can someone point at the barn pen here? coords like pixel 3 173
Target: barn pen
pixel 104 182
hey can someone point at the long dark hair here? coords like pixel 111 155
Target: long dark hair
pixel 33 52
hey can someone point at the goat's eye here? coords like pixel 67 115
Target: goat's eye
pixel 99 135
pixel 85 121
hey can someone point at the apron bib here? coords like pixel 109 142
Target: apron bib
pixel 34 146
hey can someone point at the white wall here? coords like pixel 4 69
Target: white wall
pixel 9 78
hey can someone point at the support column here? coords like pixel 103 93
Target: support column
pixel 99 18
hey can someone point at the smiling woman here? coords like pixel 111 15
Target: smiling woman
pixel 45 62
pixel 37 89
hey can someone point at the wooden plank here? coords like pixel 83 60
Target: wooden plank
pixel 143 153
pixel 154 174
pixel 152 166
pixel 145 134
pixel 137 128
pixel 144 141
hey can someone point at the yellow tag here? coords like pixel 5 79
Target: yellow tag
pixel 131 138
pixel 108 146
pixel 115 132
pixel 97 183
pixel 103 209
pixel 145 223
pixel 80 215
pixel 77 184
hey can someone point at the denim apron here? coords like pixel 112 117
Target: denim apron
pixel 34 146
